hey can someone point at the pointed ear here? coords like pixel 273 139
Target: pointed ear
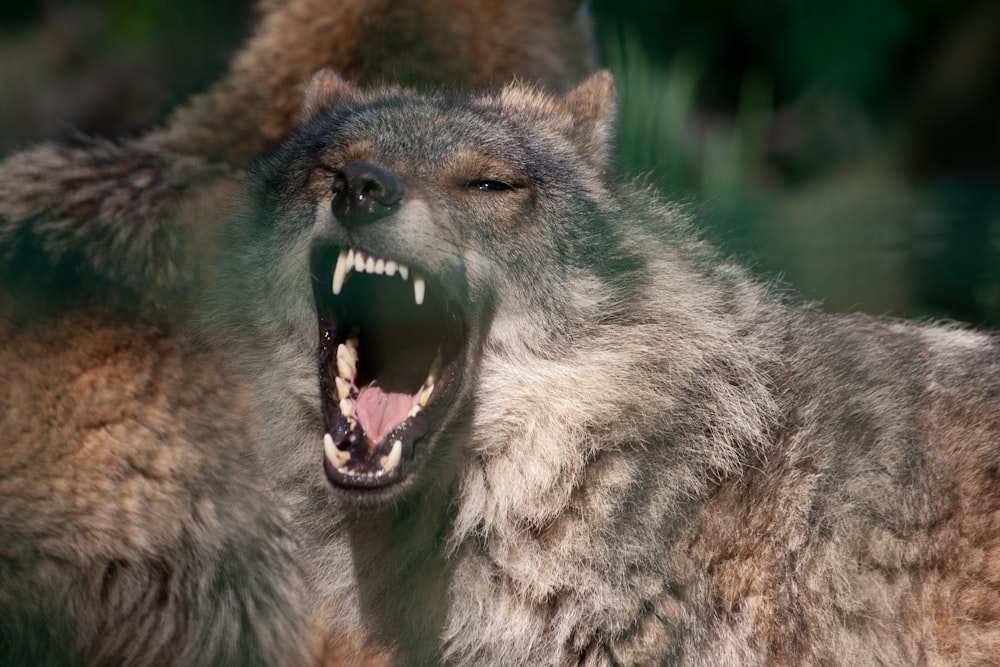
pixel 592 106
pixel 325 90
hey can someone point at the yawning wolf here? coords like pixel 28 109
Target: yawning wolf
pixel 521 415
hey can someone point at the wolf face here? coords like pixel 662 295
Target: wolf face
pixel 415 219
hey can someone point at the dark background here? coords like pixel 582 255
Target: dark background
pixel 849 147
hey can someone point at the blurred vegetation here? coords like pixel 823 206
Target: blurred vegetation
pixel 851 147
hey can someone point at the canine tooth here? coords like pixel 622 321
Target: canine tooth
pixel 391 267
pixel 370 265
pixel 359 261
pixel 414 411
pixel 340 271
pixel 343 387
pixel 425 396
pixel 346 407
pixel 404 272
pixel 335 456
pixel 418 288
pixel 352 344
pixel 434 372
pixel 391 461
pixel 346 360
pixel 380 267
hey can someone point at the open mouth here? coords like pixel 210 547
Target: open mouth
pixel 390 357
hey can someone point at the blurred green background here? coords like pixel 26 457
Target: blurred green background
pixel 851 148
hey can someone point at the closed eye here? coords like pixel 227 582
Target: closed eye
pixel 487 185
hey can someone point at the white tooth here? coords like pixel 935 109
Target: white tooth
pixel 370 265
pixel 391 461
pixel 346 359
pixel 391 267
pixel 380 267
pixel 348 351
pixel 340 272
pixel 352 344
pixel 414 411
pixel 418 288
pixel 335 456
pixel 350 259
pixel 404 272
pixel 434 373
pixel 343 387
pixel 425 396
pixel 346 407
pixel 359 261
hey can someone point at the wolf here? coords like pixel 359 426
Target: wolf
pixel 522 414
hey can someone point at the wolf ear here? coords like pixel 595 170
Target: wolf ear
pixel 325 90
pixel 592 106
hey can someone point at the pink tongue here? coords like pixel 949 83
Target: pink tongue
pixel 380 411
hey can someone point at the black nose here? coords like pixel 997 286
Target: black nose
pixel 363 192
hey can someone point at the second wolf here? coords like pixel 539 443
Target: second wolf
pixel 529 419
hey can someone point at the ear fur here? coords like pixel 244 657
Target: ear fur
pixel 325 90
pixel 592 106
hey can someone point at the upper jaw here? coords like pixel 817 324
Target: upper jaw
pixel 350 260
pixel 391 355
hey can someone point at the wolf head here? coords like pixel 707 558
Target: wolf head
pixel 427 260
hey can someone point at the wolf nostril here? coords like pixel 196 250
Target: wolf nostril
pixel 363 192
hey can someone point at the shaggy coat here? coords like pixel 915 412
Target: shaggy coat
pixel 642 456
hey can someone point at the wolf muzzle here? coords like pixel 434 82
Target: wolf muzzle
pixel 363 192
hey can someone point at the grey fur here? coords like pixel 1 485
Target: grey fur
pixel 651 458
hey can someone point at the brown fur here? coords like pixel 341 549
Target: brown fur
pixel 132 530
pixel 419 42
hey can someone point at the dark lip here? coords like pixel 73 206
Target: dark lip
pixel 362 471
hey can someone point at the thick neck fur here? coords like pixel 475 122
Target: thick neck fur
pixel 403 571
pixel 544 529
pixel 559 525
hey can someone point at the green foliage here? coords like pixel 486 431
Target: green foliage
pixel 826 141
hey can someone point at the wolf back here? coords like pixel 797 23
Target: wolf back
pixel 129 220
